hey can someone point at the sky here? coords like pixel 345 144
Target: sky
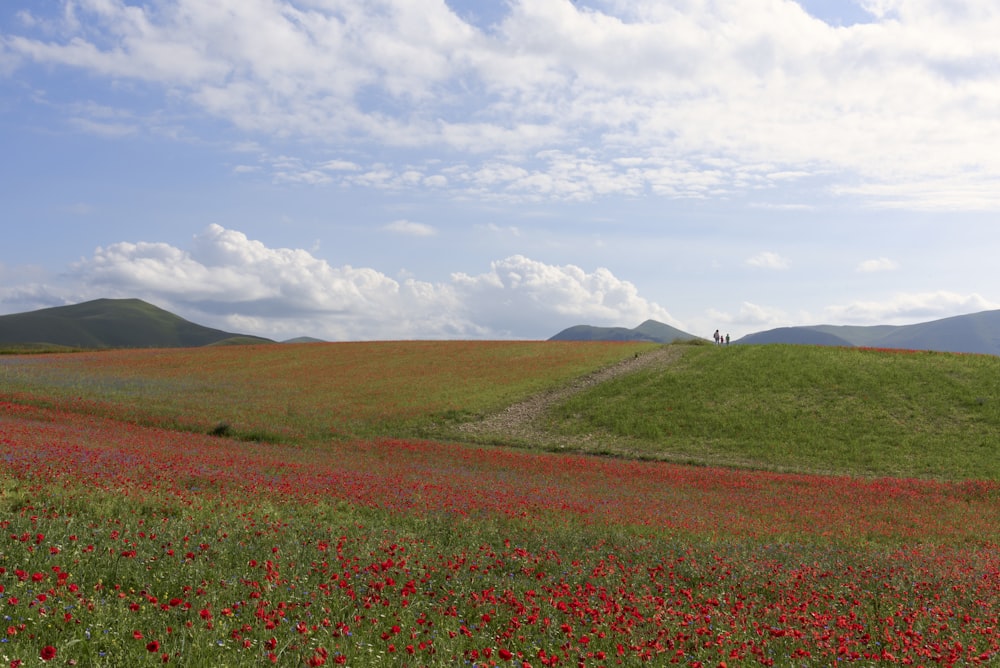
pixel 502 169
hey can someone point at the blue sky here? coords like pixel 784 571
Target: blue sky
pixel 394 169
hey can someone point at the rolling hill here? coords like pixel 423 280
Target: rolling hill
pixel 650 330
pixel 111 323
pixel 973 333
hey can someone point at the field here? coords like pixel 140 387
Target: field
pixel 246 506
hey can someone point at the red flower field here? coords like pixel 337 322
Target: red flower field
pixel 127 545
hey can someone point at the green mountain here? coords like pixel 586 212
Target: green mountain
pixel 974 333
pixel 111 323
pixel 651 330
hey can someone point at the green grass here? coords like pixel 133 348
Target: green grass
pixel 795 408
pixel 804 408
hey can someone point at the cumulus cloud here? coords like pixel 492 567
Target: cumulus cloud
pixel 224 279
pixel 519 294
pixel 560 100
pixel 768 260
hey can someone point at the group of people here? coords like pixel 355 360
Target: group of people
pixel 721 340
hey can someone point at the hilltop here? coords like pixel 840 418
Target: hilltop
pixel 111 323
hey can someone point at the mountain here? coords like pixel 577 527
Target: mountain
pixel 651 330
pixel 111 323
pixel 810 336
pixel 973 333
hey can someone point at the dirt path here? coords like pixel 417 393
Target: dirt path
pixel 519 422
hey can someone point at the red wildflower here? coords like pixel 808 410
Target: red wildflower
pixel 48 653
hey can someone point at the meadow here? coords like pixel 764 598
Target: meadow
pixel 841 410
pixel 318 527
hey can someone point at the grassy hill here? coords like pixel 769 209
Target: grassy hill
pixel 109 323
pixel 803 408
pixel 777 407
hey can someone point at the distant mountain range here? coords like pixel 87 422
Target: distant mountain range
pixel 651 330
pixel 111 323
pixel 974 333
pixel 133 323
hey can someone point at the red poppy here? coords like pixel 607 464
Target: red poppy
pixel 48 653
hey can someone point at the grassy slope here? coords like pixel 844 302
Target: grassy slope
pixel 776 407
pixel 806 408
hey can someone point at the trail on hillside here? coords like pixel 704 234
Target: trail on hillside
pixel 520 421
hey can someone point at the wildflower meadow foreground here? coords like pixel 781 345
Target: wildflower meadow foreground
pixel 304 506
pixel 126 545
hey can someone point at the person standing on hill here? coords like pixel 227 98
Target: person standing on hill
pixel 716 336
pixel 727 338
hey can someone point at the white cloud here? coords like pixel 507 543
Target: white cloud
pixel 233 281
pixel 768 260
pixel 755 314
pixel 751 317
pixel 879 264
pixel 906 308
pixel 410 228
pixel 726 97
pixel 523 295
pixel 227 280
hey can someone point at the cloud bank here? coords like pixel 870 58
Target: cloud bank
pixel 559 100
pixel 227 280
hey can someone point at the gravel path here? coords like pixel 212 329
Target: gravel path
pixel 520 422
